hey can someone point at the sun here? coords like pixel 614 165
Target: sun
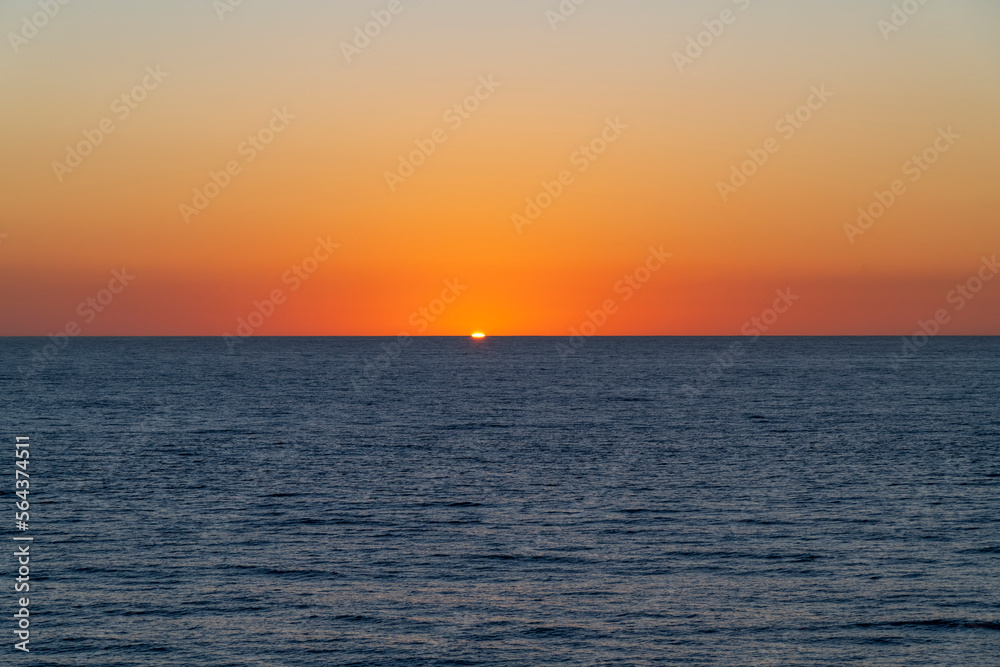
pixel 479 334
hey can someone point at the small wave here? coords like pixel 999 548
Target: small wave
pixel 471 427
pixel 357 618
pixel 535 558
pixel 794 558
pixel 555 631
pixel 995 549
pixel 949 624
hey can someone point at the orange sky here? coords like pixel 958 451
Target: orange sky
pixel 266 92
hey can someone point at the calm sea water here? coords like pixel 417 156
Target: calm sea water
pixel 493 504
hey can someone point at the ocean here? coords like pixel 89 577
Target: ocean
pixel 640 501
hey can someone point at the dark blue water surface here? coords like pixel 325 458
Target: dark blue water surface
pixel 804 502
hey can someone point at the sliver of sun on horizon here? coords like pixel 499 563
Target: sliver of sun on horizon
pixel 479 335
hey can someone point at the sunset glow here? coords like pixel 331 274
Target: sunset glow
pixel 851 163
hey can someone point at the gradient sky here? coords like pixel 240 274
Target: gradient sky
pixel 323 176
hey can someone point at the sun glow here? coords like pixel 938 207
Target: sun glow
pixel 479 335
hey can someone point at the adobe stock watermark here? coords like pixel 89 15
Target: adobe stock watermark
pixel 787 126
pixel 223 7
pixel 254 145
pixel 626 288
pixel 561 14
pixel 753 329
pixel 900 16
pixel 586 155
pixel 455 116
pixel 33 24
pixel 914 168
pixel 420 320
pixel 294 277
pixel 364 34
pixel 122 107
pixel 958 298
pixel 88 310
pixel 698 44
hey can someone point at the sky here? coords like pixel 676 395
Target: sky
pixel 524 167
